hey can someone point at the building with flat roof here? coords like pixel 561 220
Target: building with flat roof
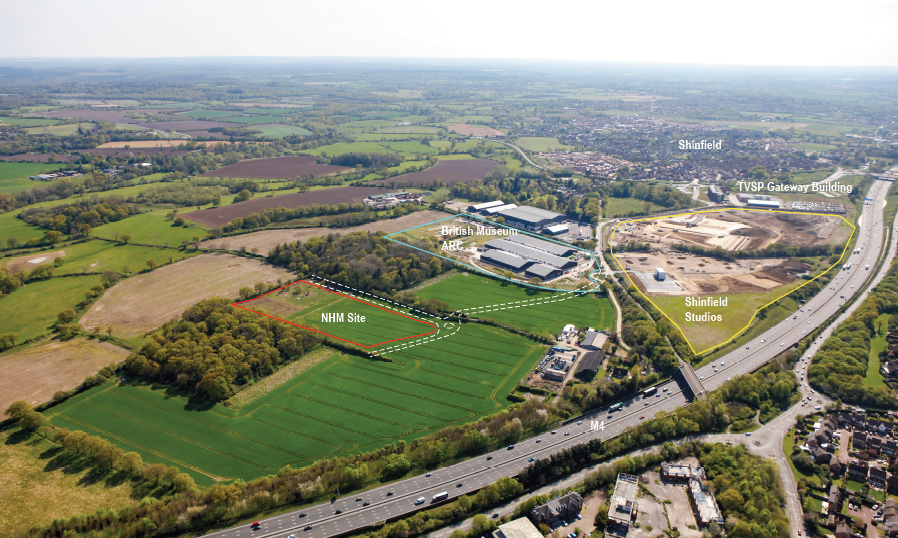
pixel 505 260
pixel 557 229
pixel 552 248
pixel 623 507
pixel 530 253
pixel 683 473
pixel 543 271
pixel 561 508
pixel 498 209
pixel 763 203
pixel 519 528
pixel 480 207
pixel 705 504
pixel 531 218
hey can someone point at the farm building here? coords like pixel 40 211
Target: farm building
pixel 551 248
pixel 530 253
pixel 519 528
pixel 589 364
pixel 486 205
pixel 505 260
pixel 594 340
pixel 531 218
pixel 623 506
pixel 543 271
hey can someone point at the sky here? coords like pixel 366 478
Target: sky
pixel 762 32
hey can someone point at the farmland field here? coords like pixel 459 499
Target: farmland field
pixel 14 176
pixel 59 130
pixel 449 172
pixel 34 374
pixel 307 304
pixel 219 216
pixel 276 168
pixel 351 147
pixel 89 114
pixel 31 310
pixel 152 228
pixel 474 130
pixel 186 125
pixel 97 256
pixel 25 122
pixel 341 406
pixel 203 114
pixel 142 303
pixel 10 226
pixel 280 131
pixel 549 314
pixel 252 119
pixel 541 143
pixel 266 240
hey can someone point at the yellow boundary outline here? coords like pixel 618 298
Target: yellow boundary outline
pixel 755 314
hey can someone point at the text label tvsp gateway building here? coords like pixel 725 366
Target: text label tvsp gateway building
pixel 756 186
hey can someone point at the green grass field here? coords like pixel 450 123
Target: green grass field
pixel 98 256
pixel 31 310
pixel 252 119
pixel 272 111
pixel 541 143
pixel 341 406
pixel 280 131
pixel 59 130
pixel 313 307
pixel 204 114
pixel 874 378
pixel 151 228
pixel 10 226
pixel 619 207
pixel 552 311
pixel 411 147
pixel 14 176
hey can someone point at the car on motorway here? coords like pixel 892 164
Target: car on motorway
pixel 303 514
pixel 338 511
pixel 646 404
pixel 419 500
pixel 579 422
pixel 291 536
pixel 510 447
pixel 428 474
pixel 357 499
pixel 495 516
pixel 255 525
pixel 539 440
pixel 748 434
pixel 554 432
pixel 308 528
pixel 642 417
pixel 489 458
pixel 567 433
pixel 458 485
pixel 531 459
pixel 389 494
pixel 366 503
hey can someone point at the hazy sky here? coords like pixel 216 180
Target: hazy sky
pixel 765 32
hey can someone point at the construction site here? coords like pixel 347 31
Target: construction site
pixel 663 267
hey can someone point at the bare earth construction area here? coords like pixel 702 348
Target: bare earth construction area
pixel 142 303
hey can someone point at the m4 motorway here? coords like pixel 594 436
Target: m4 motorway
pixel 399 498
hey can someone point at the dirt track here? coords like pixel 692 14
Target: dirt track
pixel 268 239
pixel 143 302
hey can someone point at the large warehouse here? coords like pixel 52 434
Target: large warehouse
pixel 517 264
pixel 531 218
pixel 551 248
pixel 530 253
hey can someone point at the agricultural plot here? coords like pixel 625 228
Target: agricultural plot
pixel 544 312
pixel 142 303
pixel 59 130
pixel 252 119
pixel 277 168
pixel 474 130
pixel 341 406
pixel 25 122
pixel 87 114
pixel 361 322
pixel 350 147
pixel 541 143
pixel 203 114
pixel 96 257
pixel 411 147
pixel 31 310
pixel 449 172
pixel 14 176
pixel 219 216
pixel 186 125
pixel 280 131
pixel 35 374
pixel 152 228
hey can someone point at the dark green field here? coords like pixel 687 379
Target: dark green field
pixel 538 311
pixel 342 406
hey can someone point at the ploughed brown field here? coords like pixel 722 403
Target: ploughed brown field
pixel 122 152
pixel 219 216
pixel 276 168
pixel 38 158
pixel 205 133
pixel 449 172
pixel 186 125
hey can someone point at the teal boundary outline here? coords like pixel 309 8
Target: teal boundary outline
pixel 462 213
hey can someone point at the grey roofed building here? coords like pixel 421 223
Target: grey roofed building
pixel 543 271
pixel 530 253
pixel 519 528
pixel 589 363
pixel 505 260
pixel 552 248
pixel 480 207
pixel 564 507
pixel 497 209
pixel 531 217
pixel 623 506
pixel 594 340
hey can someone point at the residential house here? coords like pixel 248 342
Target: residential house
pixel 878 477
pixel 890 518
pixel 843 531
pixel 892 483
pixel 836 467
pixel 834 503
pixel 820 456
pixel 889 447
pixel 859 440
pixel 874 443
pixel 858 471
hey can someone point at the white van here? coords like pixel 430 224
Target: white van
pixel 420 500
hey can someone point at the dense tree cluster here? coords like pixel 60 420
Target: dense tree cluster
pixel 362 260
pixel 79 217
pixel 216 347
pixel 181 194
pixel 663 195
pixel 361 214
pixel 366 160
pixel 840 367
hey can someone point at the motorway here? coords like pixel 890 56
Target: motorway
pixel 478 472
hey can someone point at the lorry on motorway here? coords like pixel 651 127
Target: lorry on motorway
pixel 616 407
pixel 650 391
pixel 440 497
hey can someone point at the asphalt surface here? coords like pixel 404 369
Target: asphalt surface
pixel 473 474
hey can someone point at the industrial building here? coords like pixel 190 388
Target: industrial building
pixel 682 473
pixel 715 194
pixel 480 207
pixel 505 260
pixel 552 248
pixel 530 253
pixel 767 204
pixel 519 528
pixel 589 364
pixel 543 271
pixel 660 275
pixel 531 218
pixel 561 508
pixel 557 229
pixel 705 504
pixel 623 507
pixel 492 211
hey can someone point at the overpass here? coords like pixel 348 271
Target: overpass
pixel 695 384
